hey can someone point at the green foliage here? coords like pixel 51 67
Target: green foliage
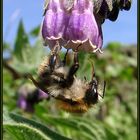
pixel 31 58
pixel 21 40
pixel 113 118
pixel 80 126
pixel 35 31
pixel 6 46
pixel 29 129
pixel 23 132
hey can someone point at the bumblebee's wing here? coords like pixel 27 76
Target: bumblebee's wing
pixel 101 88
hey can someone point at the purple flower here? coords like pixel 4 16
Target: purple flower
pixel 73 26
pixel 24 104
pixel 54 23
pixel 83 28
pixel 29 96
pixel 42 95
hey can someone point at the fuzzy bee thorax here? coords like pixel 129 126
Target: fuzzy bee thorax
pixel 75 92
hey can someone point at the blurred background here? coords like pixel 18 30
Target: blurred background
pixel 113 118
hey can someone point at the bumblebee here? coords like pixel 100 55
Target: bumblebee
pixel 59 81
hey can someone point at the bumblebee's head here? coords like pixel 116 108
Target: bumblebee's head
pixel 91 96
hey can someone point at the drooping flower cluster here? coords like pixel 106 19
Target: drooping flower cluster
pixel 74 22
pixel 72 26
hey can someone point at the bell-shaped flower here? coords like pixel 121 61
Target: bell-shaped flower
pixel 73 28
pixel 54 23
pixel 83 32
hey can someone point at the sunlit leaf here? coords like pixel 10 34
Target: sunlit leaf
pixel 44 129
pixel 21 40
pixel 19 131
pixel 35 31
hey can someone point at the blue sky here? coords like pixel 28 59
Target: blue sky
pixel 124 30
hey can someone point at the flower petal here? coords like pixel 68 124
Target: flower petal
pixel 42 95
pixel 83 28
pixel 54 23
pixel 22 103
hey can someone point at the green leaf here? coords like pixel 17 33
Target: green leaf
pixel 40 127
pixel 6 46
pixel 19 131
pixel 114 46
pixel 21 40
pixel 88 129
pixel 110 134
pixel 35 31
pixel 31 59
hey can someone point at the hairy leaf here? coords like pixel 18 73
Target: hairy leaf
pixel 40 127
pixel 19 131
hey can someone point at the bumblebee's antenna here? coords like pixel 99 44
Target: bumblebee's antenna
pixel 65 57
pixel 28 75
pixel 104 88
pixel 56 48
pixel 53 57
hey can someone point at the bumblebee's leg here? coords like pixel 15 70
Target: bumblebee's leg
pixel 52 61
pixel 35 82
pixel 73 70
pixel 56 48
pixel 65 57
pixel 28 75
pixel 75 66
pixel 85 78
pixel 54 55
